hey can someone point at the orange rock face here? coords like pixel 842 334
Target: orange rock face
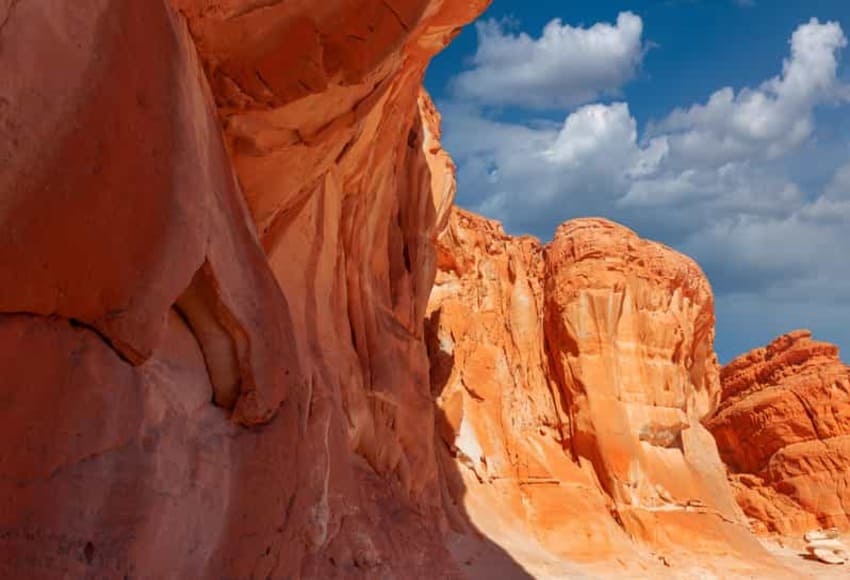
pixel 631 329
pixel 215 256
pixel 119 201
pixel 783 429
pixel 571 380
pixel 217 253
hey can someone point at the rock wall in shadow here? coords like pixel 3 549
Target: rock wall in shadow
pixel 216 252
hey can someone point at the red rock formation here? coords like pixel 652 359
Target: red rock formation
pixel 119 198
pixel 501 416
pixel 631 328
pixel 137 285
pixel 571 380
pixel 783 429
pixel 216 253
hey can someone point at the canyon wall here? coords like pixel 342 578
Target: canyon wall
pixel 215 256
pixel 571 380
pixel 243 332
pixel 783 430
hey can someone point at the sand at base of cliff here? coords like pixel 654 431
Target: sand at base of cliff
pixel 479 559
pixel 791 553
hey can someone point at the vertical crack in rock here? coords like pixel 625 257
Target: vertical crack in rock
pixel 396 13
pixel 8 16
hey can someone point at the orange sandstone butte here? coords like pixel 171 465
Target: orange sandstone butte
pixel 571 381
pixel 783 429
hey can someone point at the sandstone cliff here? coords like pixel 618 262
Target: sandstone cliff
pixel 231 201
pixel 218 242
pixel 571 380
pixel 783 429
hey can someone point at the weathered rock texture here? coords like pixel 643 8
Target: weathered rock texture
pixel 571 380
pixel 137 285
pixel 217 245
pixel 783 430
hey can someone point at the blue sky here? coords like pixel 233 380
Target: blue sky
pixel 721 128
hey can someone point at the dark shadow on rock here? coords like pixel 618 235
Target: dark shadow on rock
pixel 119 470
pixel 476 555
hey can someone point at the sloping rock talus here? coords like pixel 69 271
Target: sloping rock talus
pixel 783 430
pixel 571 381
pixel 215 256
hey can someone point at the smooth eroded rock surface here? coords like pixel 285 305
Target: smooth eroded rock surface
pixel 215 256
pixel 118 192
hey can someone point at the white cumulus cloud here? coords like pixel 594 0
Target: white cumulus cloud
pixel 710 179
pixel 770 120
pixel 566 66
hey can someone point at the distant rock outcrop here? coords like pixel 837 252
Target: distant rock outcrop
pixel 783 429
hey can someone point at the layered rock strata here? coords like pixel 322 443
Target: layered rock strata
pixel 783 430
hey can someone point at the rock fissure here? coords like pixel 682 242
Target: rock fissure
pixel 76 323
pixel 8 16
pixel 218 336
pixel 388 5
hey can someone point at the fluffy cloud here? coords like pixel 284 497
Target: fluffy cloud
pixel 709 179
pixel 708 161
pixel 768 121
pixel 834 206
pixel 564 67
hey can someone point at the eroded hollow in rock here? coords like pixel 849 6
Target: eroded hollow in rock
pixel 214 328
